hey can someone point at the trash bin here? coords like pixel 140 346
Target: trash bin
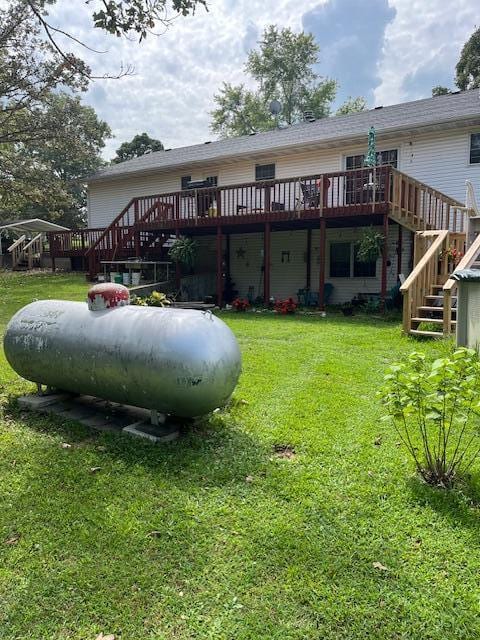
pixel 468 308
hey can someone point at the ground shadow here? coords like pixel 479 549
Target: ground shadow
pixel 460 504
pixel 216 437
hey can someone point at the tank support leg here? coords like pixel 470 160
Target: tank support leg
pixel 157 418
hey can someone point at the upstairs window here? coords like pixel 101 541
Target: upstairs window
pixel 265 172
pixel 185 181
pixel 212 181
pixel 383 157
pixel 475 148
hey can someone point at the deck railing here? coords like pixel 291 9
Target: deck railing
pixel 471 256
pixel 429 246
pixel 382 190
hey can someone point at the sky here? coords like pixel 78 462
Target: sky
pixel 388 51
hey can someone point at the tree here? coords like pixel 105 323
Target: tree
pixel 283 70
pixel 440 91
pixel 46 177
pixel 34 62
pixel 352 105
pixel 138 146
pixel 468 67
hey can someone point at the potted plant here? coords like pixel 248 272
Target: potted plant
pixel 369 247
pixel 184 250
pixel 347 309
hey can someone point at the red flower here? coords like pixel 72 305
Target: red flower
pixel 285 306
pixel 240 304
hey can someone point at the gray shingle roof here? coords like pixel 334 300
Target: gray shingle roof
pixel 449 110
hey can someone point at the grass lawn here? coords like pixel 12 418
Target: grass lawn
pixel 218 535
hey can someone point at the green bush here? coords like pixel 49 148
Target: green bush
pixel 435 408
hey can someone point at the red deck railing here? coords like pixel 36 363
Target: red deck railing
pixel 382 190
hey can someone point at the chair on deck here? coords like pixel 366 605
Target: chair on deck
pixel 311 194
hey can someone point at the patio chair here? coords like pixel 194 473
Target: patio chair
pixel 312 192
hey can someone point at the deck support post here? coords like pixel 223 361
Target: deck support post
pixel 399 250
pixel 219 267
pixel 309 259
pixel 178 271
pixel 321 283
pixel 266 264
pixel 383 295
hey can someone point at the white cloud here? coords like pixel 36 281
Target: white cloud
pixel 176 74
pixel 422 47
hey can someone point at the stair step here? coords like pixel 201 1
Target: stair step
pixel 432 320
pixel 434 297
pixel 429 334
pixel 427 308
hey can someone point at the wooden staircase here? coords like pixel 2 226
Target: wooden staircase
pixel 26 253
pixel 430 303
pixel 129 234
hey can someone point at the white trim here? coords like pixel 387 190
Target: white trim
pixel 469 147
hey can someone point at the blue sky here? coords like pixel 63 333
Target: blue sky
pixel 386 50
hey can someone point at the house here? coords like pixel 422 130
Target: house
pixel 282 211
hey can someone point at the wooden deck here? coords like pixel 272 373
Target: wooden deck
pixel 351 197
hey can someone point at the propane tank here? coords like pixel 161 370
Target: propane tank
pixel 176 361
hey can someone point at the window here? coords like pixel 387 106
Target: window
pixel 185 181
pixel 363 269
pixel 212 181
pixel 264 172
pixel 383 157
pixel 340 253
pixel 475 148
pixel 344 262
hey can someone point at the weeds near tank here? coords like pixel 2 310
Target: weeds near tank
pixel 435 409
pixel 155 299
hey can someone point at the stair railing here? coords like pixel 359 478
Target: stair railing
pixel 428 247
pixel 33 248
pixel 466 262
pixel 16 249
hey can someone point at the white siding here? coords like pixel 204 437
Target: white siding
pixel 107 199
pixel 440 160
pixel 246 260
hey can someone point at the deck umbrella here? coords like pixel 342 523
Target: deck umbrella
pixel 371 157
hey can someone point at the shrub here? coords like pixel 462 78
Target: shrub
pixel 435 409
pixel 240 304
pixel 285 306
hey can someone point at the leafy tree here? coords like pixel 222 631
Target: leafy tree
pixel 45 177
pixel 468 67
pixel 283 70
pixel 138 146
pixel 352 105
pixel 440 91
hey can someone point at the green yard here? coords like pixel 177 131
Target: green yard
pixel 221 535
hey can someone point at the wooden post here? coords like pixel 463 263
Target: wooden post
pixel 399 250
pixel 309 258
pixel 321 284
pixel 266 263
pixel 384 262
pixel 178 272
pixel 219 267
